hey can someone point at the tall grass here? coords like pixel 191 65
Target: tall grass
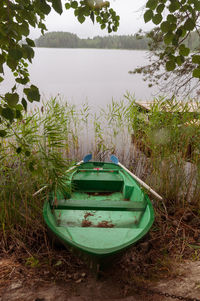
pixel 169 135
pixel 161 146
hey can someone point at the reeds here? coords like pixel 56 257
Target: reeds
pixel 161 146
pixel 169 136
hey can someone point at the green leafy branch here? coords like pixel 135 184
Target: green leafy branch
pixel 16 48
pixel 177 22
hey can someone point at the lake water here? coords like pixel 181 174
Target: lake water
pixel 93 75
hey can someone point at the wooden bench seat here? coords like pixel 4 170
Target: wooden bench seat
pixel 103 205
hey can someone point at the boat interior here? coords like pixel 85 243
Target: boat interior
pixel 102 187
pixel 105 209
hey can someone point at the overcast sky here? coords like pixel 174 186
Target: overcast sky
pixel 131 20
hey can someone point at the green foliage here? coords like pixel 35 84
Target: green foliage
pixel 16 48
pixel 32 93
pixel 148 15
pixel 170 65
pixel 196 73
pixel 168 133
pixel 159 146
pixel 12 99
pixel 176 34
pixel 69 40
pixel 2 133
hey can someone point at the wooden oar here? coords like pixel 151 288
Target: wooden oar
pixel 85 159
pixel 115 160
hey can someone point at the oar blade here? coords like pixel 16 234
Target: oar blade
pixel 114 159
pixel 87 158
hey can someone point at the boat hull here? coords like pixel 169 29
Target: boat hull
pixel 106 212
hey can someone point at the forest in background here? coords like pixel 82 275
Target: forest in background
pixel 70 40
pixel 60 39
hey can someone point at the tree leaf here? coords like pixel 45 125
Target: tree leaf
pixel 12 99
pixel 24 103
pixel 18 114
pixel 114 28
pixel 175 5
pixel 168 38
pixel 43 6
pixel 92 16
pixel 1 68
pixel 196 59
pixel 76 12
pixel 30 42
pixel 152 4
pixel 3 133
pixel 180 60
pixel 16 53
pixel 8 113
pixel 171 18
pixel 196 5
pixel 179 32
pixel 170 65
pixel 14 88
pixel 189 24
pixel 12 63
pixel 19 107
pixel 57 6
pixel 24 29
pixel 32 93
pixel 196 73
pixel 67 6
pixel 2 59
pixel 157 19
pixel 85 11
pixel 28 52
pixel 175 40
pixel 22 81
pixel 183 50
pixel 148 15
pixel 81 18
pixel 74 4
pixel 160 8
pixel 165 26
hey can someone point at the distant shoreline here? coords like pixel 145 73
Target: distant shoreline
pixel 79 48
pixel 66 40
pixel 69 40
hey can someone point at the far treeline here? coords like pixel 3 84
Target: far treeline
pixel 69 40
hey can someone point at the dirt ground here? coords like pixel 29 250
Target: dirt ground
pixel 167 260
pixel 25 283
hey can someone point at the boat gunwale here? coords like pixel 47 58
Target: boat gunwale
pixel 107 251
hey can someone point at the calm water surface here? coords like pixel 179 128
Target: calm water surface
pixel 93 75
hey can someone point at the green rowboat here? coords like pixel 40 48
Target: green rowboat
pixel 105 213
